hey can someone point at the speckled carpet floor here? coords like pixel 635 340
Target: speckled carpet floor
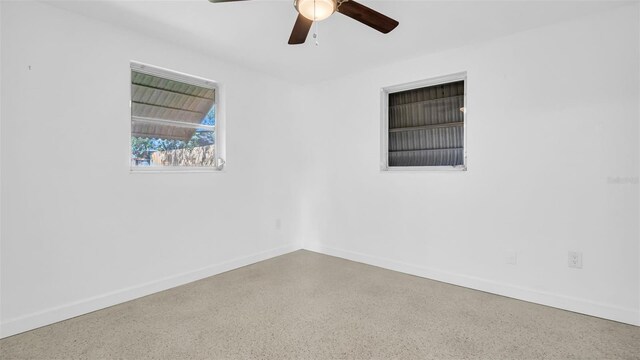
pixel 305 305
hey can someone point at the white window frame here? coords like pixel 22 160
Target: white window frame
pixel 219 128
pixel 384 122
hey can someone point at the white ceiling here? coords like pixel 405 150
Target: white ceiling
pixel 255 33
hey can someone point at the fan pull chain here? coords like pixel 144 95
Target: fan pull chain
pixel 315 24
pixel 315 34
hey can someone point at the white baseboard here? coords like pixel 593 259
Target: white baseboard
pixel 84 306
pixel 583 306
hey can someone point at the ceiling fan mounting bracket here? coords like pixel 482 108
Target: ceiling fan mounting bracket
pixel 340 2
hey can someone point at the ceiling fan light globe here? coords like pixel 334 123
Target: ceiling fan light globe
pixel 315 10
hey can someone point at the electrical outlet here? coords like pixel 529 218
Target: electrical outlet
pixel 575 259
pixel 511 257
pixel 278 224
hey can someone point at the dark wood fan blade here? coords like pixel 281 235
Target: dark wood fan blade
pixel 218 1
pixel 300 30
pixel 367 16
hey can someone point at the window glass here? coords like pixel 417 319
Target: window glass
pixel 173 122
pixel 426 126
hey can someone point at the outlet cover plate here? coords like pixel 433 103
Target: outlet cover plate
pixel 575 259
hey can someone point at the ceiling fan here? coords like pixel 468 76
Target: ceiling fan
pixel 317 10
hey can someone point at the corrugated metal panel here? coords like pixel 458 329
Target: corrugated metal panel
pixel 438 138
pixel 426 126
pixel 436 157
pixel 427 93
pixel 171 85
pixel 426 112
pixel 160 131
pixel 158 98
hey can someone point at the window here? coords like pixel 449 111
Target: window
pixel 173 121
pixel 423 125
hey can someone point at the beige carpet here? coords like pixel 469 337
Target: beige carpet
pixel 309 306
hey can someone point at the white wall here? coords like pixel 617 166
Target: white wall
pixel 552 122
pixel 79 232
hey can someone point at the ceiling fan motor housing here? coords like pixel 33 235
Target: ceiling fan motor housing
pixel 316 10
pixel 310 11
